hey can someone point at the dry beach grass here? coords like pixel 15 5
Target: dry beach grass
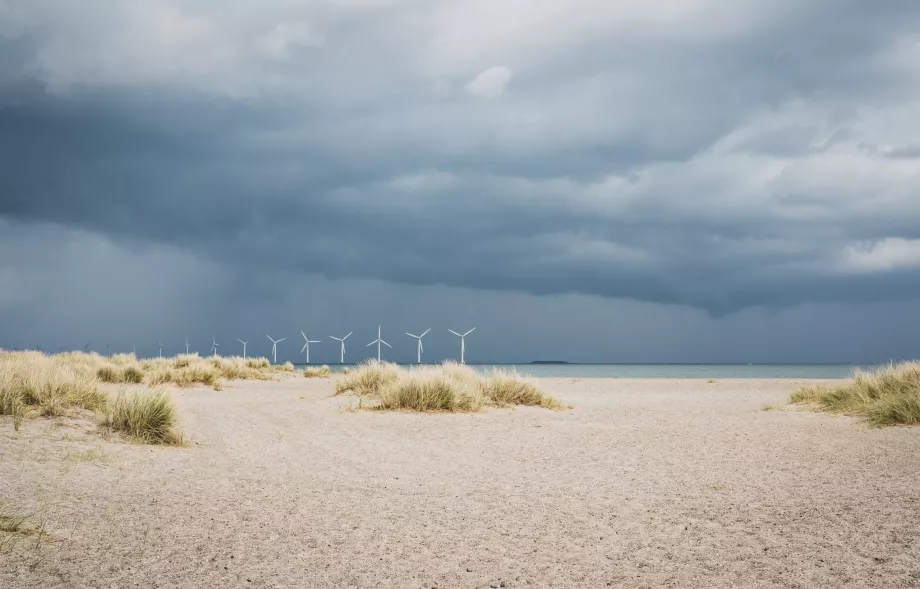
pixel 887 396
pixel 32 383
pixel 450 387
pixel 645 483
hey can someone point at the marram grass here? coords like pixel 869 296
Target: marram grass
pixel 887 396
pixel 146 416
pixel 449 387
pixel 316 372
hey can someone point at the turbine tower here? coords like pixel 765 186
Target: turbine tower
pixel 462 337
pixel 275 347
pixel 186 346
pixel 306 345
pixel 420 347
pixel 342 340
pixel 244 346
pixel 161 348
pixel 214 345
pixel 379 341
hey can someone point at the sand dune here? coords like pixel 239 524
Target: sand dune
pixel 646 483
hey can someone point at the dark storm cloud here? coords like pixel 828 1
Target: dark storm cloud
pixel 681 153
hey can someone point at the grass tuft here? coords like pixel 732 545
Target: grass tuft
pixel 146 416
pixel 887 396
pixel 507 387
pixel 316 372
pixel 448 387
pixel 368 378
pixel 430 390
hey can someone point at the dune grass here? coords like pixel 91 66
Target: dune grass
pixel 145 416
pixel 506 387
pixel 449 387
pixel 48 384
pixel 887 396
pixel 317 372
pixel 368 378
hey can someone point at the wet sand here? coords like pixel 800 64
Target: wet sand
pixel 646 483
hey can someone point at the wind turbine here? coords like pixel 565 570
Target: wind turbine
pixel 108 349
pixel 86 348
pixel 134 349
pixel 379 341
pixel 420 347
pixel 161 349
pixel 342 339
pixel 306 345
pixel 275 347
pixel 214 345
pixel 186 346
pixel 462 337
pixel 244 346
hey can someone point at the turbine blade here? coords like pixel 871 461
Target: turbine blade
pixel 282 339
pixel 371 344
pixel 386 344
pixel 336 339
pixel 346 337
pixel 469 332
pixel 269 337
pixel 454 332
pixel 412 334
pixel 421 346
pixel 426 332
pixel 303 348
pixel 303 334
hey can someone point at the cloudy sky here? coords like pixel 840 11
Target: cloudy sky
pixel 590 180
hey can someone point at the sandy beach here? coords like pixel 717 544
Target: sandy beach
pixel 645 483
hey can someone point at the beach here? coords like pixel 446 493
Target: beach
pixel 644 483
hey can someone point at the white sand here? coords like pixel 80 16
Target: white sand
pixel 646 483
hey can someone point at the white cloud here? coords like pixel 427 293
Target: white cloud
pixel 892 253
pixel 490 83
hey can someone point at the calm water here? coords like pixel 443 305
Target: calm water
pixel 671 370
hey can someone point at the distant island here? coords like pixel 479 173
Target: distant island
pixel 549 362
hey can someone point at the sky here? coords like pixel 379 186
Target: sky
pixel 587 180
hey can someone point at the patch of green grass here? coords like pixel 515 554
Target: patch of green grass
pixel 92 455
pixel 12 528
pixel 887 396
pixel 146 416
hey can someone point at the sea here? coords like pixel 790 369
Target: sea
pixel 824 371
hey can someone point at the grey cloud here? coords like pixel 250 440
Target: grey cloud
pixel 714 159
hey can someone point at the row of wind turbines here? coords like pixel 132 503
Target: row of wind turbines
pixel 307 341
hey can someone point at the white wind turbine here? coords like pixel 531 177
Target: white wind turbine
pixel 244 346
pixel 420 347
pixel 186 346
pixel 462 337
pixel 275 347
pixel 306 345
pixel 342 340
pixel 214 345
pixel 161 349
pixel 379 341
